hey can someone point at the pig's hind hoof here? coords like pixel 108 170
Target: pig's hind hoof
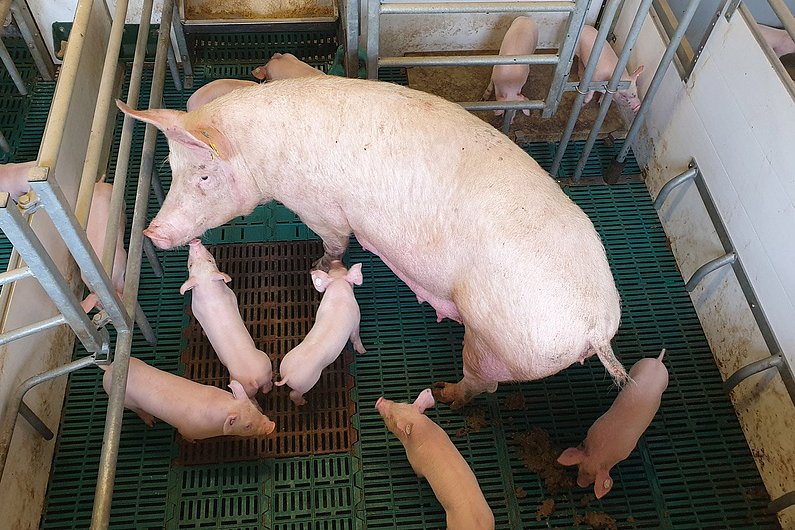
pixel 449 393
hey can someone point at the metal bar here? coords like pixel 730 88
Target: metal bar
pixel 30 32
pixel 12 68
pixel 616 166
pixel 151 256
pixel 123 158
pixel 607 98
pixel 174 69
pixel 732 8
pixel 373 37
pixel 783 13
pixel 182 48
pixel 351 33
pixel 99 124
pixel 507 120
pixel 4 143
pixel 157 187
pixel 774 361
pixel 566 53
pixel 674 183
pixel 33 419
pixel 31 329
pixel 76 240
pixel 56 120
pixel 44 269
pixel 110 449
pixel 5 8
pixel 144 325
pixel 15 274
pixel 476 7
pixel 467 60
pixel 782 503
pixel 14 401
pixel 590 68
pixel 533 104
pixel 593 85
pixel 710 266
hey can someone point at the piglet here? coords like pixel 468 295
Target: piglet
pixel 284 66
pixel 14 178
pixel 507 80
pixel 337 320
pixel 778 39
pixel 197 411
pixel 215 307
pixel 215 89
pixel 96 229
pixel 605 68
pixel 615 434
pixel 433 456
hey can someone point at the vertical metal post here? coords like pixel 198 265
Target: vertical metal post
pixel 110 449
pixel 182 47
pixel 174 69
pixel 612 86
pixel 30 32
pixel 12 68
pixel 351 30
pixel 565 56
pixel 609 14
pixel 46 272
pixel 617 165
pixel 373 36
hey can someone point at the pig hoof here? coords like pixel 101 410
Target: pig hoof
pixel 449 393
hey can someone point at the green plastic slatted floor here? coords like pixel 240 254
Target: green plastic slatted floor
pixel 692 468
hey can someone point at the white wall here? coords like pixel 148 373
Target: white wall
pixel 737 119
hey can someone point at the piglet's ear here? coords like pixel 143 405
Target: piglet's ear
pixel 571 456
pixel 189 284
pixel 603 484
pixel 221 276
pixel 354 275
pixel 320 279
pixel 424 401
pixel 237 390
pixel 637 73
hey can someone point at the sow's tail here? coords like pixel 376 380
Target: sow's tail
pixel 611 364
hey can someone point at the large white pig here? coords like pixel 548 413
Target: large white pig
pixel 337 320
pixel 778 39
pixel 433 456
pixel 284 66
pixel 507 80
pixel 615 434
pixel 14 178
pixel 214 89
pixel 197 411
pixel 458 211
pixel 215 307
pixel 605 67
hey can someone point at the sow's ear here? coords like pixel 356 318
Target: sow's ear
pixel 174 124
pixel 571 456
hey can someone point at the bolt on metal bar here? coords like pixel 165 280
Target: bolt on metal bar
pixel 12 68
pixel 732 8
pixel 31 329
pixel 33 38
pixel 33 419
pixel 593 85
pixel 783 13
pixel 432 8
pixel 468 60
pixel 533 104
pixel 566 55
pixel 76 240
pixel 587 76
pixel 46 272
pixel 19 273
pixel 616 166
pixel 607 97
pixel 110 449
pixel 710 266
pixel 674 183
pixel 99 123
pixel 15 400
pixel 182 48
pixel 123 158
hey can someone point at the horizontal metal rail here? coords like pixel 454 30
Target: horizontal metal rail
pixel 467 60
pixel 432 8
pixel 19 273
pixel 31 329
pixel 533 104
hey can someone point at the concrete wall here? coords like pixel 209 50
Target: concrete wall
pixel 736 117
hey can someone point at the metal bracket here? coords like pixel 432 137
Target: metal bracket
pixel 600 86
pixel 733 5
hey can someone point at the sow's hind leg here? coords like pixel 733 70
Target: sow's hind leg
pixel 335 231
pixel 482 371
